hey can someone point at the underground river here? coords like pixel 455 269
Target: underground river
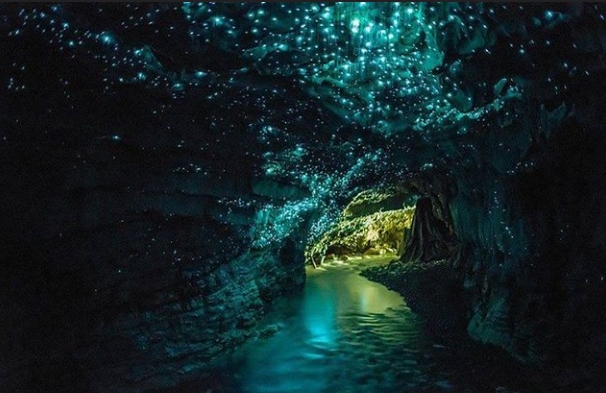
pixel 344 333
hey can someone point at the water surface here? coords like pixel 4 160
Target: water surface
pixel 344 333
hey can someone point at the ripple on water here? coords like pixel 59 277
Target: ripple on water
pixel 344 333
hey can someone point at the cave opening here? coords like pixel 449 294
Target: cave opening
pixel 374 224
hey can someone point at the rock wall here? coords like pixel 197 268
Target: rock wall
pixel 130 267
pixel 532 229
pixel 429 237
pixel 520 220
pixel 523 190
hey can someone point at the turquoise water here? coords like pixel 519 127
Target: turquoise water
pixel 344 333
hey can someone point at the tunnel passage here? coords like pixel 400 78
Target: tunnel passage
pixel 392 223
pixel 374 223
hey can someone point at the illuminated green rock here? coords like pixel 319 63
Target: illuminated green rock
pixel 365 229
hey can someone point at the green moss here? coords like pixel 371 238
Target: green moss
pixel 375 200
pixel 374 234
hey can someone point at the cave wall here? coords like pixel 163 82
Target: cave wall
pixel 523 191
pixel 520 221
pixel 128 266
pixel 531 227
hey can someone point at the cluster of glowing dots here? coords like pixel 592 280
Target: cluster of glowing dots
pixel 370 54
pixel 373 63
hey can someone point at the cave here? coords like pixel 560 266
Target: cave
pixel 302 197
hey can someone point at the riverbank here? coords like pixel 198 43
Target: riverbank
pixel 432 292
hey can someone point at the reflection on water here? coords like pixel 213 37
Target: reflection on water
pixel 347 334
pixel 342 334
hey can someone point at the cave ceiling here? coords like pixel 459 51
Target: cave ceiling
pixel 332 97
